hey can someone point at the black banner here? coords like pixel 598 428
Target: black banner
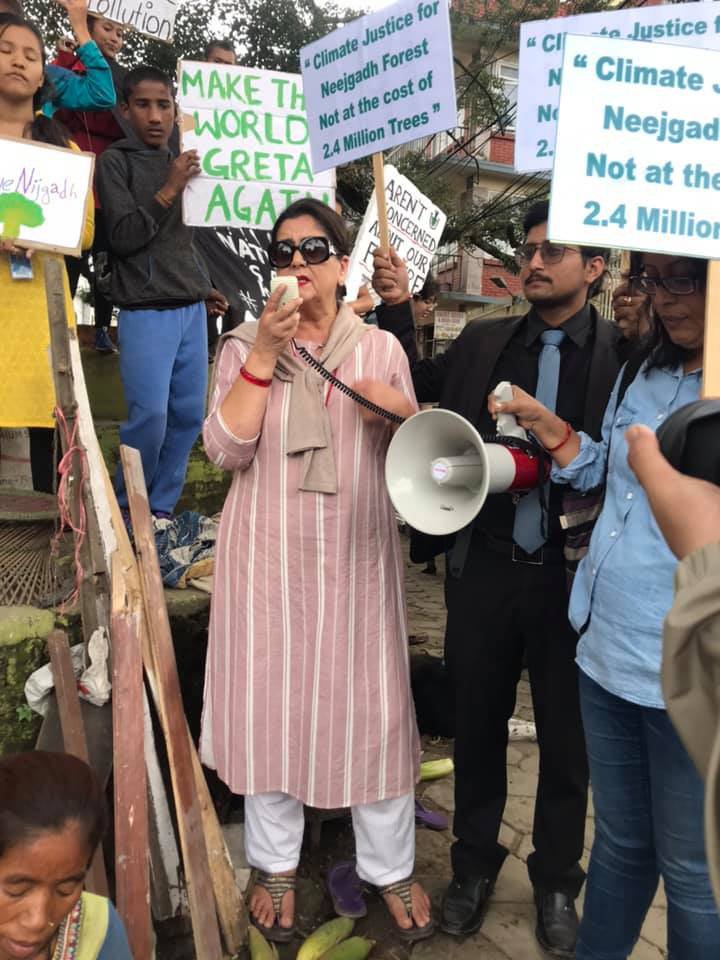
pixel 239 268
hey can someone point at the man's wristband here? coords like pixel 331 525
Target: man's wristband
pixel 163 200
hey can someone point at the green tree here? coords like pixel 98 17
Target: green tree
pixel 266 33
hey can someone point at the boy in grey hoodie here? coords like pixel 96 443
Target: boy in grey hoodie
pixel 161 287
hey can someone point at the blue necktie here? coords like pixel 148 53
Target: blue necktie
pixel 527 529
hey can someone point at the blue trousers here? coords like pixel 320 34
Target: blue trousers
pixel 163 365
pixel 648 800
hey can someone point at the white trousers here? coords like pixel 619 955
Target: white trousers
pixel 384 836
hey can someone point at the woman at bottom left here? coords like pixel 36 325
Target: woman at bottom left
pixel 52 818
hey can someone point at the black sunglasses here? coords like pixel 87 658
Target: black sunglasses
pixel 314 250
pixel 679 286
pixel 549 252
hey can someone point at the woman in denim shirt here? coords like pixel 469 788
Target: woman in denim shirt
pixel 648 796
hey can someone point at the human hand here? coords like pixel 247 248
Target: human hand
pixel 385 396
pixel 276 327
pixel 364 302
pixel 686 509
pixel 66 45
pixel 9 245
pixel 390 277
pixel 182 170
pixel 530 415
pixel 631 311
pixel 77 11
pixel 215 303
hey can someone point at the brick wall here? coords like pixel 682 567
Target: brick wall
pixel 502 149
pixel 493 268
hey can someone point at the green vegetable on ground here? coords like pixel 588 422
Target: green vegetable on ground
pixel 356 948
pixel 325 937
pixel 260 949
pixel 434 769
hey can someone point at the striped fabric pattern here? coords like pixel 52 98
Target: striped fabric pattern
pixel 307 686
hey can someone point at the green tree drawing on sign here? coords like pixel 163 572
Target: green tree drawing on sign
pixel 17 211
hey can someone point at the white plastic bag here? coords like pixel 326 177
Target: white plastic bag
pixel 93 681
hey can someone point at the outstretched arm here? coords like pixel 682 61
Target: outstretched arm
pixel 92 90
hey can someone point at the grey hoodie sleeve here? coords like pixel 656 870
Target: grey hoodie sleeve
pixel 130 226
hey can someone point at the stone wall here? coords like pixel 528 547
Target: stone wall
pixel 23 632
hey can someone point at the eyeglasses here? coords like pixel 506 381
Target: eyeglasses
pixel 314 250
pixel 549 252
pixel 679 286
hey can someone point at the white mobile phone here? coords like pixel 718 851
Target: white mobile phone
pixel 292 288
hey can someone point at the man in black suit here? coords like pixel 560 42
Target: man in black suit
pixel 505 602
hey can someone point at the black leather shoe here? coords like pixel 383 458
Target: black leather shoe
pixel 557 923
pixel 463 909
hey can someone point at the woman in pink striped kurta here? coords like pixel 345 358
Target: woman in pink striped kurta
pixel 307 695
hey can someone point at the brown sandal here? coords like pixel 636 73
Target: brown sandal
pixel 402 889
pixel 277 886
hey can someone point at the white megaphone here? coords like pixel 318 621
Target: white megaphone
pixel 439 471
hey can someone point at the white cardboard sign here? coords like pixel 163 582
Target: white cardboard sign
pixel 154 18
pixel 250 129
pixel 379 81
pixel 637 164
pixel 415 225
pixel 43 190
pixel 541 54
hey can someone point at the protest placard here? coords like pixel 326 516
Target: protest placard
pixel 636 160
pixel 250 129
pixel 239 266
pixel 415 226
pixel 379 81
pixel 43 190
pixel 541 53
pixel 448 324
pixel 154 18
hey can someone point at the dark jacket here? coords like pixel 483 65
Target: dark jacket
pixel 153 259
pixel 459 379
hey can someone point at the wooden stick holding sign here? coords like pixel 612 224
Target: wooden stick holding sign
pixel 379 175
pixel 711 358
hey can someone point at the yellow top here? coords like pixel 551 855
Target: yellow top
pixel 27 393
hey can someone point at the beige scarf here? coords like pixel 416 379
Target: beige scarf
pixel 308 428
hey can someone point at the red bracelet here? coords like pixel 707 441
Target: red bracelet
pixel 246 375
pixel 568 432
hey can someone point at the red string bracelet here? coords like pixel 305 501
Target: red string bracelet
pixel 568 432
pixel 257 381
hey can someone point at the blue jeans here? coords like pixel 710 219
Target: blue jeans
pixel 648 800
pixel 163 365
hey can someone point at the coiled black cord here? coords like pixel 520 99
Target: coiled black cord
pixel 344 388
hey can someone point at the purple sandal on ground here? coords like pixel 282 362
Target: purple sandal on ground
pixel 431 819
pixel 345 889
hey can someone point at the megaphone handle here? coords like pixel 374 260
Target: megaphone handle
pixel 507 425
